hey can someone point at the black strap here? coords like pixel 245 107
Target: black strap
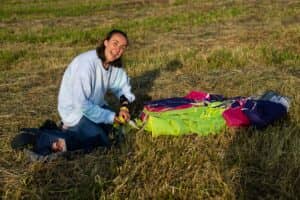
pixel 124 101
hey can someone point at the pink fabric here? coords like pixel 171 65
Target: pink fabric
pixel 143 117
pixel 235 117
pixel 197 95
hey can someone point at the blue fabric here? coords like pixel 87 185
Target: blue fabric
pixel 170 102
pixel 86 131
pixel 216 97
pixel 262 113
pixel 47 137
pixel 74 140
pixel 85 135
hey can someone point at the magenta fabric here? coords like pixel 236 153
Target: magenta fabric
pixel 235 117
pixel 197 95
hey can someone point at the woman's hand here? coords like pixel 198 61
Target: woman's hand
pixel 59 145
pixel 123 116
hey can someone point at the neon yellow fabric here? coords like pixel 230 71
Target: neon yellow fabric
pixel 202 120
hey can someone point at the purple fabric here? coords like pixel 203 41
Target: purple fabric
pixel 262 113
pixel 170 102
pixel 216 97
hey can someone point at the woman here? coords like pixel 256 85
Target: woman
pixel 85 116
pixel 90 75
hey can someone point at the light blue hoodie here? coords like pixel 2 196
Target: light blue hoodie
pixel 83 87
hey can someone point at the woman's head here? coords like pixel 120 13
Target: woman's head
pixel 111 49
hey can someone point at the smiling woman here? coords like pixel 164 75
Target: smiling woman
pixel 86 118
pixel 112 48
pixel 81 103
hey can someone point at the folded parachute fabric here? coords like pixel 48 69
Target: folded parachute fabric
pixel 203 96
pixel 203 113
pixel 176 103
pixel 262 113
pixel 234 116
pixel 169 104
pixel 202 120
pixel 258 113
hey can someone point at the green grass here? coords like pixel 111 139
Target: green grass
pixel 226 47
pixel 14 10
pixel 281 57
pixel 8 58
pixel 74 35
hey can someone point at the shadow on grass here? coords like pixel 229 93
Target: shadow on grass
pixel 142 85
pixel 263 164
pixel 84 176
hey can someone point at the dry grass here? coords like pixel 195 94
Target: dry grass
pixel 226 47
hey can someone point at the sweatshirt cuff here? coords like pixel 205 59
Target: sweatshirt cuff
pixel 130 97
pixel 111 118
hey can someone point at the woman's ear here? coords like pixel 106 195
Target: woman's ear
pixel 105 42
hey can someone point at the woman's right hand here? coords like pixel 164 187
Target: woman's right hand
pixel 123 116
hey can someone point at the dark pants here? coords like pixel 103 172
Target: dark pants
pixel 86 130
pixel 85 135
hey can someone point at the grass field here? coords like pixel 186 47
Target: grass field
pixel 234 48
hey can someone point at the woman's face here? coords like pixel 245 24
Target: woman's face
pixel 114 47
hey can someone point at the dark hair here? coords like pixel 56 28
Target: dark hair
pixel 100 49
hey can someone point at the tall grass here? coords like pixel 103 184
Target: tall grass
pixel 234 48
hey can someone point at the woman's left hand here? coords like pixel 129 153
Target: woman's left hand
pixel 124 115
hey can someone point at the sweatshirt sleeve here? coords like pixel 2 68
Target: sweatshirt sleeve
pixel 82 90
pixel 120 84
